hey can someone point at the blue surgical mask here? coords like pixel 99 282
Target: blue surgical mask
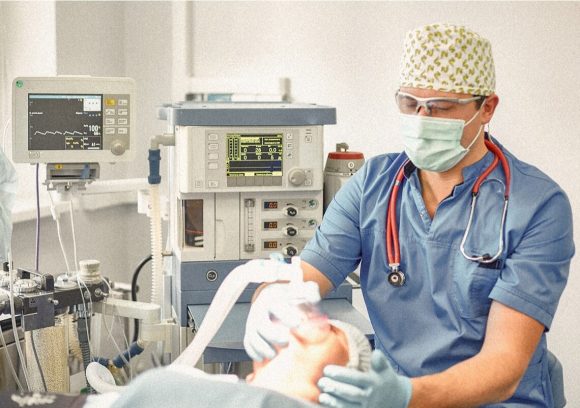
pixel 434 144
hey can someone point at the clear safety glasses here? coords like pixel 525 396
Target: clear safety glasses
pixel 410 104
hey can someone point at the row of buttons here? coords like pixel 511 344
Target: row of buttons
pixel 289 146
pixel 307 138
pixel 212 156
pixel 120 131
pixel 254 181
pixel 112 111
pixel 113 102
pixel 112 121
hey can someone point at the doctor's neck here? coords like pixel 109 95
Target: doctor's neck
pixel 436 186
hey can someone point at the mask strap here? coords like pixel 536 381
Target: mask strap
pixel 480 128
pixel 476 113
pixel 475 138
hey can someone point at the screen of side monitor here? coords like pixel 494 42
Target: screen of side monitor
pixel 254 155
pixel 65 122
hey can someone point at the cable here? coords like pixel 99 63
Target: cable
pixel 134 291
pixel 13 318
pixel 127 363
pixel 85 310
pixel 85 341
pixel 37 253
pixel 4 135
pixel 74 235
pixel 109 330
pixel 128 348
pixel 12 370
pixel 37 361
pixel 56 217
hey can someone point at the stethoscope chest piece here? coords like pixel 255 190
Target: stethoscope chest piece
pixel 396 278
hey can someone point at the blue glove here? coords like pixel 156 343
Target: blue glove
pixel 273 314
pixel 381 387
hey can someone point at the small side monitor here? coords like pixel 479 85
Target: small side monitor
pixel 73 120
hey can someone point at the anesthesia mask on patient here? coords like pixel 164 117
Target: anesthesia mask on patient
pixel 315 325
pixel 359 348
pixel 314 344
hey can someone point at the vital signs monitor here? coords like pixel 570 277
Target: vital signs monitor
pixel 73 119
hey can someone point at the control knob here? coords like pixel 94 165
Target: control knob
pixel 290 211
pixel 117 148
pixel 297 177
pixel 290 231
pixel 290 250
pixel 22 286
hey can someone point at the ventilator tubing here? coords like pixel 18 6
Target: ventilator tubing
pixel 255 271
pixel 101 379
pixel 156 238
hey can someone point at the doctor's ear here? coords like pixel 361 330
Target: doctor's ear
pixel 488 108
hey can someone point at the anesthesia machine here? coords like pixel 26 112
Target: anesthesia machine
pixel 247 182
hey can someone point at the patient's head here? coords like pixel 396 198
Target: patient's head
pixel 313 345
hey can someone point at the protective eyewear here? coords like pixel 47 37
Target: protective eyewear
pixel 410 104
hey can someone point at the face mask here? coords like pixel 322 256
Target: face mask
pixel 434 144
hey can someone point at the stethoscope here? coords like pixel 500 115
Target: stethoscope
pixel 396 276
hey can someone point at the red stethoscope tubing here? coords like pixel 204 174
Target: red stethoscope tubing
pixel 392 237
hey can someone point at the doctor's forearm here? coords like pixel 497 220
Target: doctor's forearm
pixel 490 376
pixel 479 380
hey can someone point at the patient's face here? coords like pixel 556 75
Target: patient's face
pixel 297 368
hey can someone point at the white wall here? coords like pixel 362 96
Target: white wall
pixel 346 54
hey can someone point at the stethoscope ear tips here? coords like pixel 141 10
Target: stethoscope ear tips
pixel 396 278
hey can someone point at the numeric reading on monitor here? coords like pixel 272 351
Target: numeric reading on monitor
pixel 65 122
pixel 254 155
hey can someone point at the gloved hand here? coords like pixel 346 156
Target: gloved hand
pixel 273 314
pixel 381 387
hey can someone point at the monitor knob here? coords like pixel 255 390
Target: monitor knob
pixel 297 177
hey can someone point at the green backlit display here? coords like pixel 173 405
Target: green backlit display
pixel 254 155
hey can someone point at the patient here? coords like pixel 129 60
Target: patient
pixel 286 381
pixel 292 374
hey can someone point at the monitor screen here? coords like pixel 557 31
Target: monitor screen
pixel 65 122
pixel 254 155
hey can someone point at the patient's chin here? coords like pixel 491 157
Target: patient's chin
pixel 297 368
pixel 299 390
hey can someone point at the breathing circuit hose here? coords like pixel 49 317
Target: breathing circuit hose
pixel 255 271
pixel 155 224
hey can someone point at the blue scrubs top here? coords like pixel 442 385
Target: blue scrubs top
pixel 438 318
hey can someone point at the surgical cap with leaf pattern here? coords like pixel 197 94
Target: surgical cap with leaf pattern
pixel 447 58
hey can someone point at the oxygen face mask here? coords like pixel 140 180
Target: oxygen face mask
pixel 302 314
pixel 314 326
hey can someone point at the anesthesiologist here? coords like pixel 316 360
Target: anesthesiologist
pixel 464 249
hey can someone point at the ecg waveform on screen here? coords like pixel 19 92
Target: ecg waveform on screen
pixel 58 132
